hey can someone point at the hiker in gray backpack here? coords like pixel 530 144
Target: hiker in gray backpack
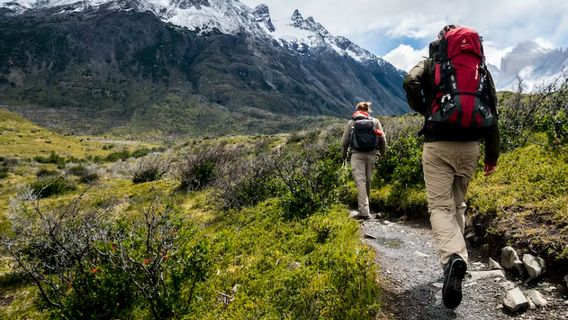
pixel 363 137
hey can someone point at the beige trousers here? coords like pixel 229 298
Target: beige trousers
pixel 448 168
pixel 362 164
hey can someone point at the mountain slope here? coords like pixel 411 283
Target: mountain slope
pixel 108 61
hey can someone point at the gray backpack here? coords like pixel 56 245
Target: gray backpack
pixel 363 137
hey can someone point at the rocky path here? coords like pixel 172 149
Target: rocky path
pixel 408 263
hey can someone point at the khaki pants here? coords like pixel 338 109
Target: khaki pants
pixel 448 168
pixel 362 164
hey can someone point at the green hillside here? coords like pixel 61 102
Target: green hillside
pixel 232 228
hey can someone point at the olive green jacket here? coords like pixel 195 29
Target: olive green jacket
pixel 419 84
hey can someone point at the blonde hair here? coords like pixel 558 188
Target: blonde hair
pixel 363 106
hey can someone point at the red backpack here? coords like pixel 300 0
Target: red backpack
pixel 461 97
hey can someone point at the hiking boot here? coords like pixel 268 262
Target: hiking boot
pixel 454 272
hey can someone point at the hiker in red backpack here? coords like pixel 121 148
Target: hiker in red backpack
pixel 455 93
pixel 363 137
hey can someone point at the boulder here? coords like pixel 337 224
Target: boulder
pixel 494 265
pixel 536 297
pixel 515 300
pixel 535 266
pixel 510 259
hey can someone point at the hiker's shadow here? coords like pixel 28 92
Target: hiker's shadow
pixel 420 303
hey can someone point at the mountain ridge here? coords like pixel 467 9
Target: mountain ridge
pixel 113 59
pixel 535 65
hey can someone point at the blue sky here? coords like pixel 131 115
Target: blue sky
pixel 400 30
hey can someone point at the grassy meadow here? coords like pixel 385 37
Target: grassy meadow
pixel 211 228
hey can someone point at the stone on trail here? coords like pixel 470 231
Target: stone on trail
pixel 507 285
pixel 532 305
pixel 478 275
pixel 420 254
pixel 510 259
pixel 369 236
pixel 536 297
pixel 535 265
pixel 494 265
pixel 515 300
pixel 438 285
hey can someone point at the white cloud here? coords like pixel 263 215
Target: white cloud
pixel 405 57
pixel 505 23
pixel 544 43
pixel 493 54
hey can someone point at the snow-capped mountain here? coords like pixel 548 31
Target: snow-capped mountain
pixel 535 65
pixel 227 16
pixel 110 54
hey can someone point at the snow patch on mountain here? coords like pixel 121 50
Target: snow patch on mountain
pixel 535 65
pixel 302 35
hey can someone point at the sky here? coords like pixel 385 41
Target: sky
pixel 400 30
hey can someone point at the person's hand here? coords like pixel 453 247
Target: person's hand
pixel 489 169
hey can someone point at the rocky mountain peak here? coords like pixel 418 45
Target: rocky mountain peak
pixel 261 15
pixel 297 15
pixel 308 24
pixel 186 4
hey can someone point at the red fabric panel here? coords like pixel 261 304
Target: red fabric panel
pixel 463 40
pixel 466 67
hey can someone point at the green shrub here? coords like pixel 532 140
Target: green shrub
pixel 52 158
pixel 78 170
pixel 150 169
pixel 49 186
pixel 198 171
pixel 117 155
pixel 44 172
pixel 311 177
pixel 89 267
pixel 89 178
pixel 4 172
pixel 245 182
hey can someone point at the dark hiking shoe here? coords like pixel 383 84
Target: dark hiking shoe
pixel 361 217
pixel 454 272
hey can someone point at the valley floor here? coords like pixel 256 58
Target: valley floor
pixel 408 262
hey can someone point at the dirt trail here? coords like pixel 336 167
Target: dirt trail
pixel 408 261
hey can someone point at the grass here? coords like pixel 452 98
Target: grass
pixel 24 139
pixel 303 269
pixel 526 200
pixel 284 269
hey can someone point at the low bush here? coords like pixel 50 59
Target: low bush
pixel 199 170
pixel 85 174
pixel 49 186
pixel 89 267
pixel 246 182
pixel 150 168
pixel 311 176
pixel 52 158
